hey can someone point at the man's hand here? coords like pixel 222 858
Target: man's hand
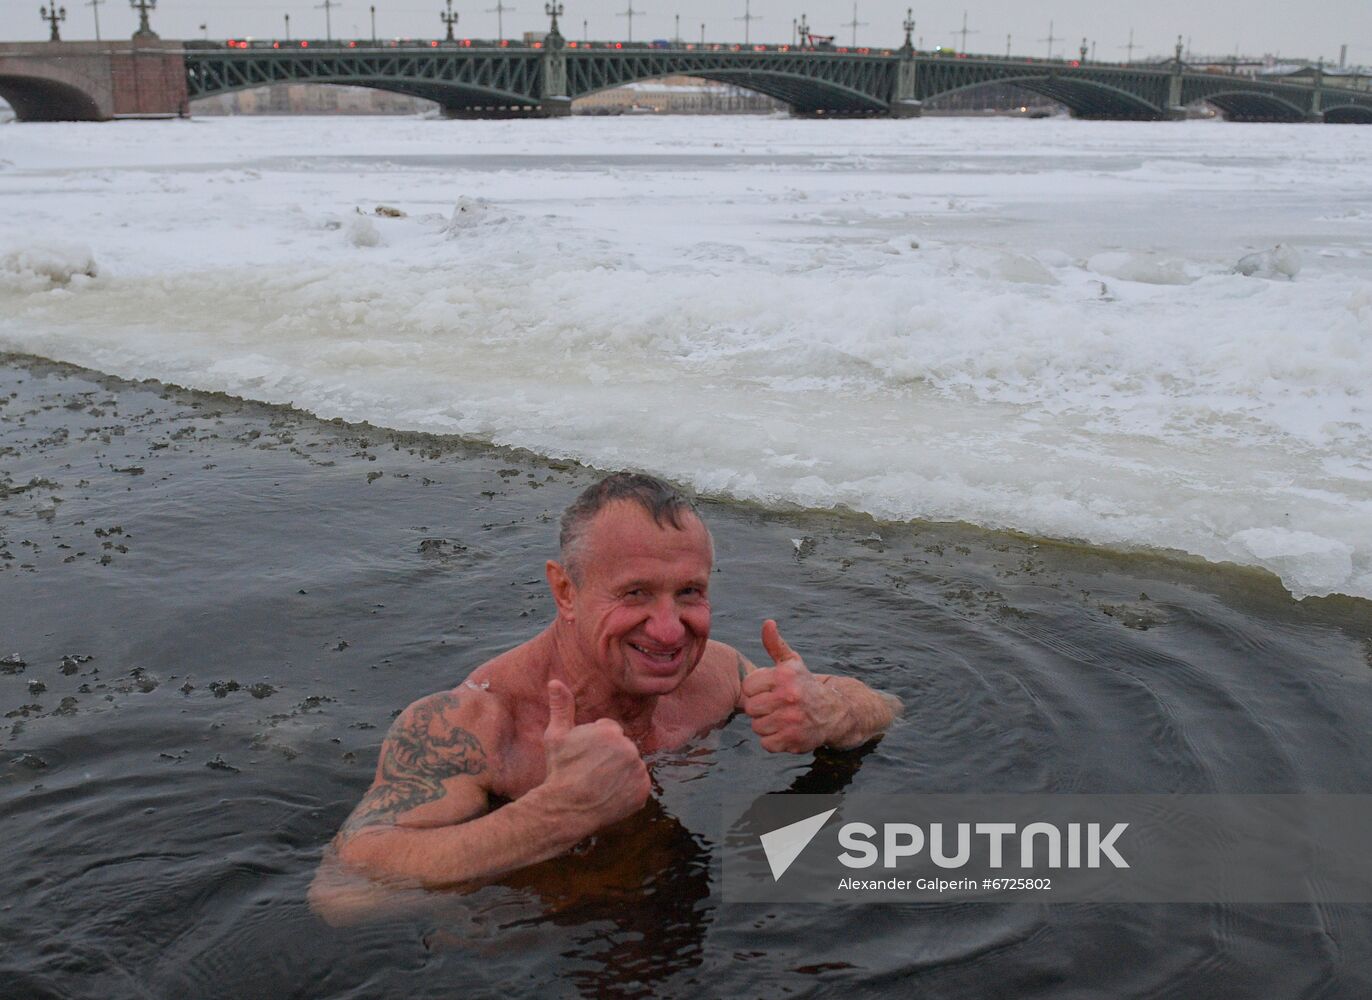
pixel 791 709
pixel 594 771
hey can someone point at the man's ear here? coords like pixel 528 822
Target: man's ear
pixel 562 588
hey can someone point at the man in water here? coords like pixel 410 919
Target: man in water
pixel 557 727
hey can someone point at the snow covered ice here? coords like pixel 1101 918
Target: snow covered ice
pixel 1034 325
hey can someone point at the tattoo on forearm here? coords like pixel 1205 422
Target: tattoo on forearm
pixel 422 749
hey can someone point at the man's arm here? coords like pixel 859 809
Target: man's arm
pixel 795 711
pixel 425 819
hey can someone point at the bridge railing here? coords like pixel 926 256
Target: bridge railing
pixel 512 43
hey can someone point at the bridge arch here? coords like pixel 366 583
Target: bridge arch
pixel 446 94
pixel 1348 114
pixel 804 94
pixel 38 99
pixel 1084 98
pixel 1255 106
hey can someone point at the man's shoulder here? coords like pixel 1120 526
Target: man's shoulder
pixel 728 660
pixel 469 706
pixel 722 668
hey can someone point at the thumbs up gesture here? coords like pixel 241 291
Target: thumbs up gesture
pixel 791 709
pixel 594 771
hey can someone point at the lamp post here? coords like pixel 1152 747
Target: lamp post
pixel 52 15
pixel 855 24
pixel 965 31
pixel 499 11
pixel 144 26
pixel 327 6
pixel 748 18
pixel 288 27
pixel 1050 40
pixel 448 19
pixel 94 5
pixel 372 9
pixel 629 13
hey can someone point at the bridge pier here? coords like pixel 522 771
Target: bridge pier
pixel 905 102
pixel 1317 98
pixel 94 81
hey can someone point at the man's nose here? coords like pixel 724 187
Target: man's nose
pixel 664 625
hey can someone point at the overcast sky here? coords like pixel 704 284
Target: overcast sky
pixel 1216 27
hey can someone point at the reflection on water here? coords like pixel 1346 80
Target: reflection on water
pixel 266 603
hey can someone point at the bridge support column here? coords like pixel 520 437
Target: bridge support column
pixel 905 102
pixel 1175 111
pixel 1317 98
pixel 553 99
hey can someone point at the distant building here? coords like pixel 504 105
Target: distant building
pixel 1355 77
pixel 676 95
pixel 311 99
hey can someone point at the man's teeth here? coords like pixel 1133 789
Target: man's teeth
pixel 652 655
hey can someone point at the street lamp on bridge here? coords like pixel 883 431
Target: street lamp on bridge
pixel 855 24
pixel 1050 40
pixel 327 6
pixel 748 18
pixel 965 32
pixel 1129 49
pixel 629 12
pixel 372 8
pixel 94 5
pixel 288 27
pixel 144 27
pixel 499 11
pixel 448 19
pixel 52 15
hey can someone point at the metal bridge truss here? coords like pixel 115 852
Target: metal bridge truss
pixel 810 82
pixel 519 80
pixel 458 79
pixel 1089 91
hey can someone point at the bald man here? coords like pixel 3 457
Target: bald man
pixel 557 727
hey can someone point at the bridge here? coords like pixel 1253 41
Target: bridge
pixel 466 77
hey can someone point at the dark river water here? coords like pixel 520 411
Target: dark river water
pixel 217 607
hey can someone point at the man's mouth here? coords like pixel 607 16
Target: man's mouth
pixel 666 659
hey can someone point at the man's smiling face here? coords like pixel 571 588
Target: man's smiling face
pixel 641 602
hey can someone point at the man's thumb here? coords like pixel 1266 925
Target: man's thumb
pixel 775 645
pixel 561 710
